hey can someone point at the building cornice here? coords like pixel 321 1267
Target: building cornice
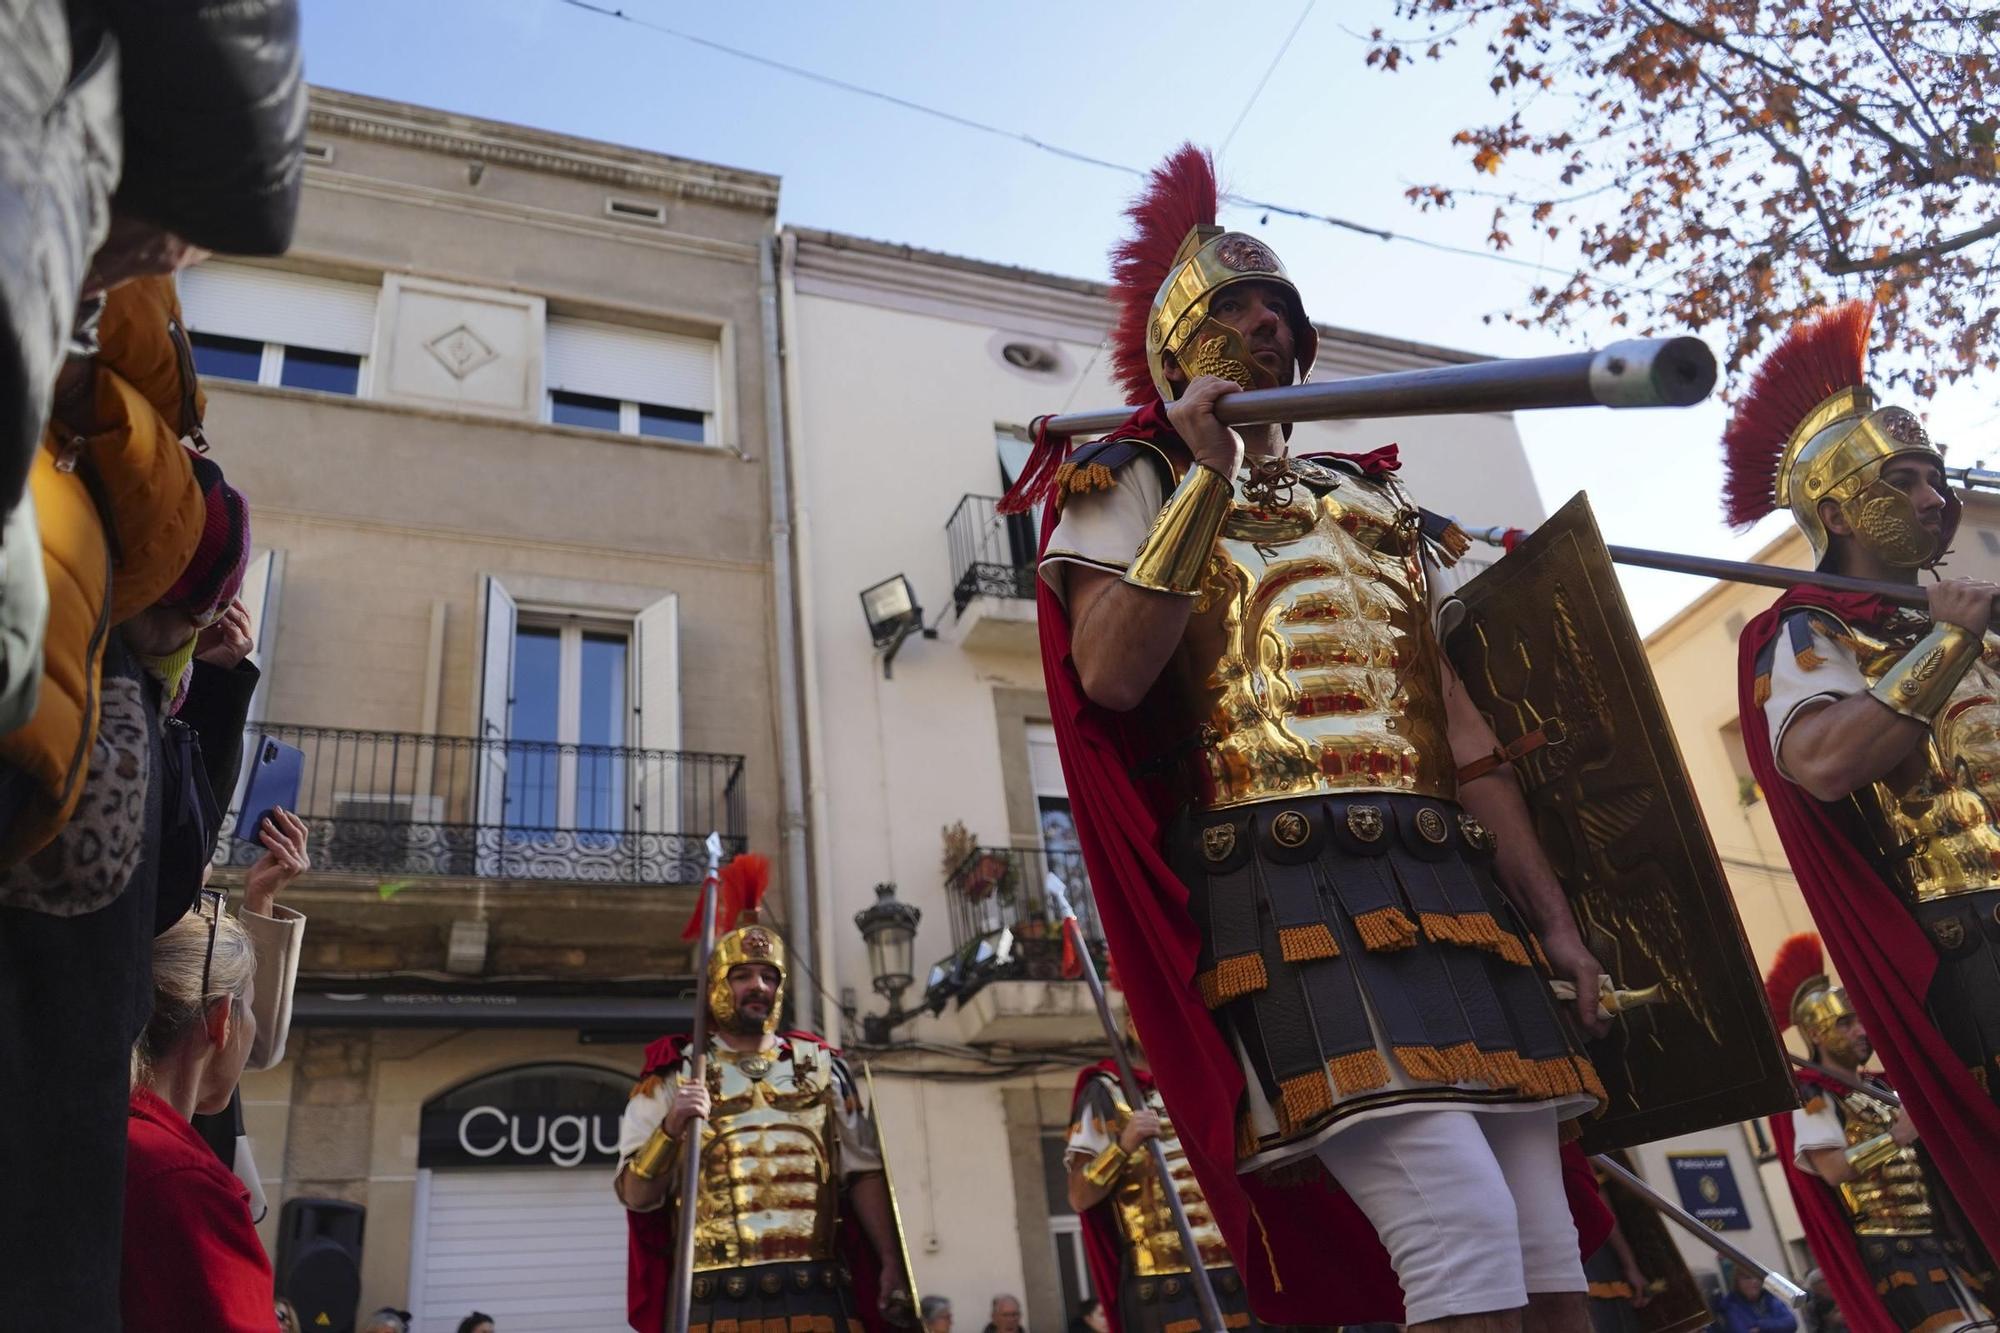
pixel 577 224
pixel 402 125
pixel 907 277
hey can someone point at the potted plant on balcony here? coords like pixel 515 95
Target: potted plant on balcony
pixel 990 871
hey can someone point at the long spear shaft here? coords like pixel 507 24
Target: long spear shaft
pixel 1880 1094
pixel 1791 1292
pixel 1135 1097
pixel 683 1270
pixel 1642 372
pixel 1743 571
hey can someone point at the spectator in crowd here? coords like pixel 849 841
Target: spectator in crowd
pixel 123 516
pixel 193 1262
pixel 476 1323
pixel 277 931
pixel 1748 1308
pixel 288 1318
pixel 386 1320
pixel 936 1314
pixel 1090 1317
pixel 1006 1314
pixel 1822 1315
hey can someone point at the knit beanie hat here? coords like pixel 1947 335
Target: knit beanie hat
pixel 214 575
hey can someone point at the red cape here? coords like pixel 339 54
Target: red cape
pixel 650 1236
pixel 1828 1235
pixel 1881 954
pixel 1281 1231
pixel 1103 1248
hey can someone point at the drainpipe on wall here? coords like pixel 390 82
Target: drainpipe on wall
pixel 793 828
pixel 824 959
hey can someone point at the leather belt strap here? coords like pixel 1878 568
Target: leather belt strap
pixel 1549 733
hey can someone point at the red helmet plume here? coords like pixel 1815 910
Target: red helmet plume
pixel 1799 960
pixel 1180 195
pixel 739 889
pixel 1821 356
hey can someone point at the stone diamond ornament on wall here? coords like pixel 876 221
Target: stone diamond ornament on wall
pixel 461 351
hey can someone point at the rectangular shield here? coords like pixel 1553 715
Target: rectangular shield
pixel 1546 637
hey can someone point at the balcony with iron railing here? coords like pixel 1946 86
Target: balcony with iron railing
pixel 992 576
pixel 1007 928
pixel 405 805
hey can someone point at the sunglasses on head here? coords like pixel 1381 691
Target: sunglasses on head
pixel 213 899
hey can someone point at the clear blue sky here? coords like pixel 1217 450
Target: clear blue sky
pixel 1116 80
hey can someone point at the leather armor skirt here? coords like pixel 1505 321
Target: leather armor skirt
pixel 1360 954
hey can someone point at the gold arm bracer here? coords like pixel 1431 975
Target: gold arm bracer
pixel 1105 1168
pixel 1921 681
pixel 1176 551
pixel 1870 1154
pixel 656 1156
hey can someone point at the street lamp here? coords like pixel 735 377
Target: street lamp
pixel 889 928
pixel 893 616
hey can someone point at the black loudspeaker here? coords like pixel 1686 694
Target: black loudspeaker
pixel 319 1262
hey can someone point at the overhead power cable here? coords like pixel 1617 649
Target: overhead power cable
pixel 1263 206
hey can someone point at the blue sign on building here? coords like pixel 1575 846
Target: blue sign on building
pixel 1708 1189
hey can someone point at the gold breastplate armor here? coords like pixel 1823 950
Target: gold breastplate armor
pixel 1309 664
pixel 1893 1199
pixel 1939 836
pixel 1143 1216
pixel 769 1160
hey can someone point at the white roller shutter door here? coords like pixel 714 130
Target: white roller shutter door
pixel 631 365
pixel 265 305
pixel 539 1249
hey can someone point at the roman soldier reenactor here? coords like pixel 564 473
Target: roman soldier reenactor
pixel 1877 1221
pixel 1334 925
pixel 794 1223
pixel 1138 1267
pixel 1874 733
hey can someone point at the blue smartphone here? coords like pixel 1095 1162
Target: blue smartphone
pixel 276 770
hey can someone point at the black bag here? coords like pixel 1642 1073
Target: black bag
pixel 190 818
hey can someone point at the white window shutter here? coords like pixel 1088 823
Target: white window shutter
pixel 496 694
pixel 262 581
pixel 662 792
pixel 656 636
pixel 631 365
pixel 268 305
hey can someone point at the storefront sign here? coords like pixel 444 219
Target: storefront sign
pixel 541 1115
pixel 1707 1183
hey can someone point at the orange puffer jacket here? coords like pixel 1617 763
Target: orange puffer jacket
pixel 133 475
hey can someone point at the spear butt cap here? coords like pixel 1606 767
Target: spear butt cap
pixel 1653 372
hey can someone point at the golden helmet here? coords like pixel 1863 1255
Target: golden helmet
pixel 1809 430
pixel 754 943
pixel 1801 992
pixel 739 889
pixel 1166 275
pixel 1209 260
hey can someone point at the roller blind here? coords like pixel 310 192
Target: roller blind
pixel 264 305
pixel 631 365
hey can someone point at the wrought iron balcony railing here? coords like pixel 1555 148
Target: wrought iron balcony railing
pixel 1004 923
pixel 992 554
pixel 402 804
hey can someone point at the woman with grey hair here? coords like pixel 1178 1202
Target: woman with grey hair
pixel 936 1312
pixel 192 1263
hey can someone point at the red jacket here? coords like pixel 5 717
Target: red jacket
pixel 193 1263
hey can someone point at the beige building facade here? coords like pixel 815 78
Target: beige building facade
pixel 502 418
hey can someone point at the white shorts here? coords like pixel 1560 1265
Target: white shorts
pixel 1469 1204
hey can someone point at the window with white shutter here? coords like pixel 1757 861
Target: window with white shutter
pixel 266 326
pixel 633 381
